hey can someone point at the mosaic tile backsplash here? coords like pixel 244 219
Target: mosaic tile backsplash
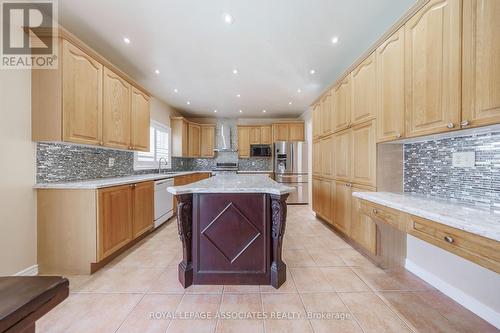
pixel 57 162
pixel 428 169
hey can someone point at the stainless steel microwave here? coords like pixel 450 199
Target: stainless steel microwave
pixel 260 150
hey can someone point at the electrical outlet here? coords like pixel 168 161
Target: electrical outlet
pixel 466 159
pixel 111 162
pixel 253 163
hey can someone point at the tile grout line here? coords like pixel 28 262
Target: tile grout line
pixel 176 308
pixel 128 314
pixel 352 313
pixel 302 302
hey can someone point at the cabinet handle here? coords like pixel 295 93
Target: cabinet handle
pixel 449 239
pixel 132 185
pixel 398 135
pixel 375 211
pixel 450 125
pixel 464 123
pixel 101 143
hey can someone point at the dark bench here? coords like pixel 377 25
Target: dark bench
pixel 25 299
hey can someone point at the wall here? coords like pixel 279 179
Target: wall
pixel 161 112
pixel 17 174
pixel 428 169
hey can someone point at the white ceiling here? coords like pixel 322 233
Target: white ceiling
pixel 273 44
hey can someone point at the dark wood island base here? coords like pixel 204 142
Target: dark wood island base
pixel 232 238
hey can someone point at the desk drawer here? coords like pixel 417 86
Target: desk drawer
pixel 383 214
pixel 480 250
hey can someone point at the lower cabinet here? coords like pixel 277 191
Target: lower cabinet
pixel 343 198
pixel 323 194
pixel 143 208
pixel 363 228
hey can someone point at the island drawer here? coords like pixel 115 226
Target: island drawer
pixel 483 251
pixel 383 214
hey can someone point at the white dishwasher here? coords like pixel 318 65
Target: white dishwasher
pixel 164 201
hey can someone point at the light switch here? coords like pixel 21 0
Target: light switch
pixel 466 159
pixel 111 162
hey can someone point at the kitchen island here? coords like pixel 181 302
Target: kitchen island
pixel 231 228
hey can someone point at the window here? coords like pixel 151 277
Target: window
pixel 159 142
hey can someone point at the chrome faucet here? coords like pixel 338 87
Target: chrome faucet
pixel 159 163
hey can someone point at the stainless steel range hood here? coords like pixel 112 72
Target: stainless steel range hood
pixel 223 140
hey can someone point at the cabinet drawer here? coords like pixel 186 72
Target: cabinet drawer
pixel 482 251
pixel 383 214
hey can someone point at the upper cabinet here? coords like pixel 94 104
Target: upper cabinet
pixel 316 116
pixel 252 135
pixel 207 140
pixel 194 140
pixel 140 120
pixel 364 92
pixel 481 63
pixel 243 141
pixel 364 153
pixel 266 137
pixel 88 101
pixel 81 96
pixel 432 68
pixel 289 131
pixel 179 128
pixel 342 105
pixel 116 111
pixel 326 112
pixel 390 87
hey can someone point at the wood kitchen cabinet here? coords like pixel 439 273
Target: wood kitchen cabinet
pixel 432 68
pixel 343 155
pixel 289 131
pixel 316 201
pixel 481 63
pixel 266 137
pixel 243 142
pixel 343 200
pixel 390 57
pixel 81 96
pixel 207 140
pixel 363 228
pixel 316 160
pixel 143 218
pixel 326 112
pixel 364 92
pixel 255 133
pixel 116 111
pixel 364 154
pixel 342 105
pixel 280 132
pixel 316 116
pixel 194 143
pixel 89 101
pixel 327 157
pixel 323 192
pixel 179 127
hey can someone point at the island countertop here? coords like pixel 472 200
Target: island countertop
pixel 482 222
pixel 233 184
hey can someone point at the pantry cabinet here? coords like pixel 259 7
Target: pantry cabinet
pixel 326 112
pixel 81 96
pixel 323 198
pixel 343 155
pixel 116 111
pixel 207 140
pixel 87 100
pixel 327 157
pixel 316 159
pixel 390 59
pixel 364 154
pixel 343 199
pixel 342 105
pixel 364 92
pixel 481 63
pixel 432 68
pixel 316 117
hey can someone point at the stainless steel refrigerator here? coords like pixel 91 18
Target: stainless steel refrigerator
pixel 291 169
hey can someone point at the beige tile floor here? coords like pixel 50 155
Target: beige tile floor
pixel 325 276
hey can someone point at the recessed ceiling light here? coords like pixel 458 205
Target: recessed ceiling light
pixel 126 40
pixel 176 90
pixel 188 102
pixel 241 111
pixel 335 40
pixel 157 71
pixel 264 111
pixel 228 18
pixel 312 71
pixel 290 103
pixel 235 71
pixel 238 95
pixel 299 90
pixel 215 111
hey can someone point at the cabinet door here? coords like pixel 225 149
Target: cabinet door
pixel 343 155
pixel 481 63
pixel 140 120
pixel 254 135
pixel 115 219
pixel 316 118
pixel 363 228
pixel 364 154
pixel 316 167
pixel 244 142
pixel 265 135
pixel 296 132
pixel 194 143
pixel 432 68
pixel 326 114
pixel 342 106
pixel 116 111
pixel 207 141
pixel 326 202
pixel 364 91
pixel 82 96
pixel 327 157
pixel 315 195
pixel 390 88
pixel 343 199
pixel 143 208
pixel 280 132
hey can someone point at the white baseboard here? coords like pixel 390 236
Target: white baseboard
pixel 457 295
pixel 30 271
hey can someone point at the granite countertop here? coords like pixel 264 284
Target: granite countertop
pixel 108 182
pixel 254 171
pixel 483 222
pixel 233 184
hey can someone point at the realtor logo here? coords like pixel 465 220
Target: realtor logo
pixel 29 34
